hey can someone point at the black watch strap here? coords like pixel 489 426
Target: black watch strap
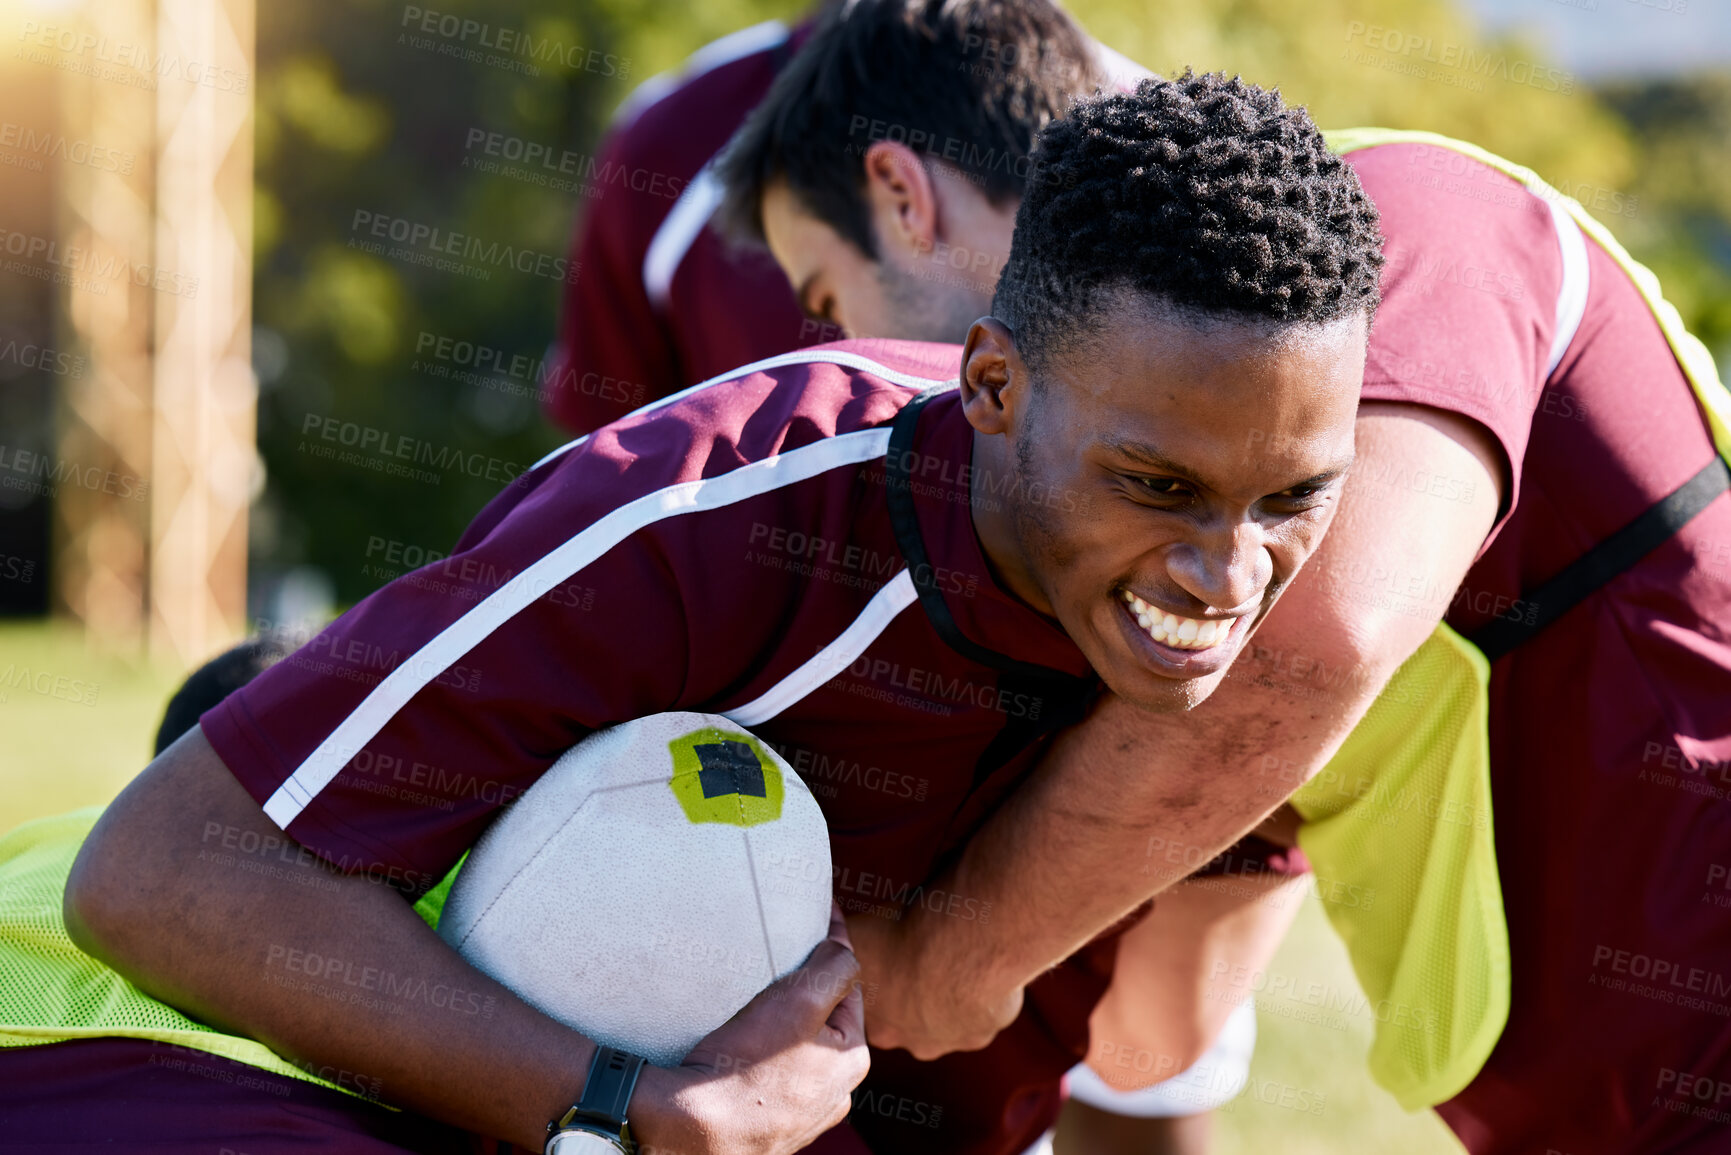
pixel 606 1092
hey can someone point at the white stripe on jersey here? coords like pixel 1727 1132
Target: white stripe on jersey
pixel 1572 296
pixel 678 232
pixel 896 595
pixel 734 46
pixel 552 569
pixel 680 228
pixel 798 357
pixel 1123 73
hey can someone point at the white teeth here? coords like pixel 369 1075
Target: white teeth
pixel 1179 633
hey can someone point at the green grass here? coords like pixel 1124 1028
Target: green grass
pixel 58 754
pixel 1318 1068
pixel 75 724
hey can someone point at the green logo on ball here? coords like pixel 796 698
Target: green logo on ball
pixel 725 776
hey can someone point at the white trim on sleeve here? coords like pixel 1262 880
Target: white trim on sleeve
pixel 734 46
pixel 1572 296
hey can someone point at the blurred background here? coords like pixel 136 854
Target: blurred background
pixel 201 309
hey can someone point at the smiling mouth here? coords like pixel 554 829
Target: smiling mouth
pixel 1179 633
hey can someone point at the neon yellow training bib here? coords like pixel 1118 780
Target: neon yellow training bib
pixel 50 991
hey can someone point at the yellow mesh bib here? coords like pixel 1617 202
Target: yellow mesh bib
pixel 1402 815
pixel 50 991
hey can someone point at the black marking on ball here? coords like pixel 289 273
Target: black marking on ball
pixel 729 768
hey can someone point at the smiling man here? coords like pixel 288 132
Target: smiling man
pixel 893 555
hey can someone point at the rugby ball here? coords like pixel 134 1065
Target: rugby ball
pixel 660 875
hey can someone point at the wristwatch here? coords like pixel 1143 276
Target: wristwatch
pixel 595 1124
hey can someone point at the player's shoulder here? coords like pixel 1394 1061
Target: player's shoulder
pixel 723 79
pixel 1423 180
pixel 1120 72
pixel 794 398
pixel 770 408
pixel 1455 211
pixel 787 432
pixel 794 427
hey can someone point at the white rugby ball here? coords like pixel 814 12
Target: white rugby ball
pixel 654 880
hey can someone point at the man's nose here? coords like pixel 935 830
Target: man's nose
pixel 1226 566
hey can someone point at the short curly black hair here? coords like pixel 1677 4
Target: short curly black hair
pixel 215 680
pixel 1207 193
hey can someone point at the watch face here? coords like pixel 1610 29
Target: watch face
pixel 583 1143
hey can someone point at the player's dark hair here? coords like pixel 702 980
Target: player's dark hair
pixel 1207 193
pixel 214 681
pixel 965 82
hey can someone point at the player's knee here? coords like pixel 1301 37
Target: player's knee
pixel 1141 1053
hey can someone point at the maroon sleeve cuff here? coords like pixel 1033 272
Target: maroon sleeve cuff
pixel 260 768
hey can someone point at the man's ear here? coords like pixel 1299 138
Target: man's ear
pixel 995 383
pixel 901 198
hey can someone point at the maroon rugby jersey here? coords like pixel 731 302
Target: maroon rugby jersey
pixel 730 551
pixel 659 300
pixel 1611 730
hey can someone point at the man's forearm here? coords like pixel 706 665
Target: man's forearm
pixel 333 972
pixel 1122 807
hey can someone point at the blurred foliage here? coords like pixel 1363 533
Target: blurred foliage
pixel 1681 223
pixel 1395 63
pixel 353 118
pixel 61 753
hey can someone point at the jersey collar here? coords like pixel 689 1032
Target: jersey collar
pixel 928 476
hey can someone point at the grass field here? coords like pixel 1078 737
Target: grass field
pixel 75 725
pixel 1312 1058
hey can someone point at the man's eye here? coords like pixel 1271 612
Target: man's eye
pixel 1300 492
pixel 1163 486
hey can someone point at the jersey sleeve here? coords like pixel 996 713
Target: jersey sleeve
pixel 614 352
pixel 1469 296
pixel 387 742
